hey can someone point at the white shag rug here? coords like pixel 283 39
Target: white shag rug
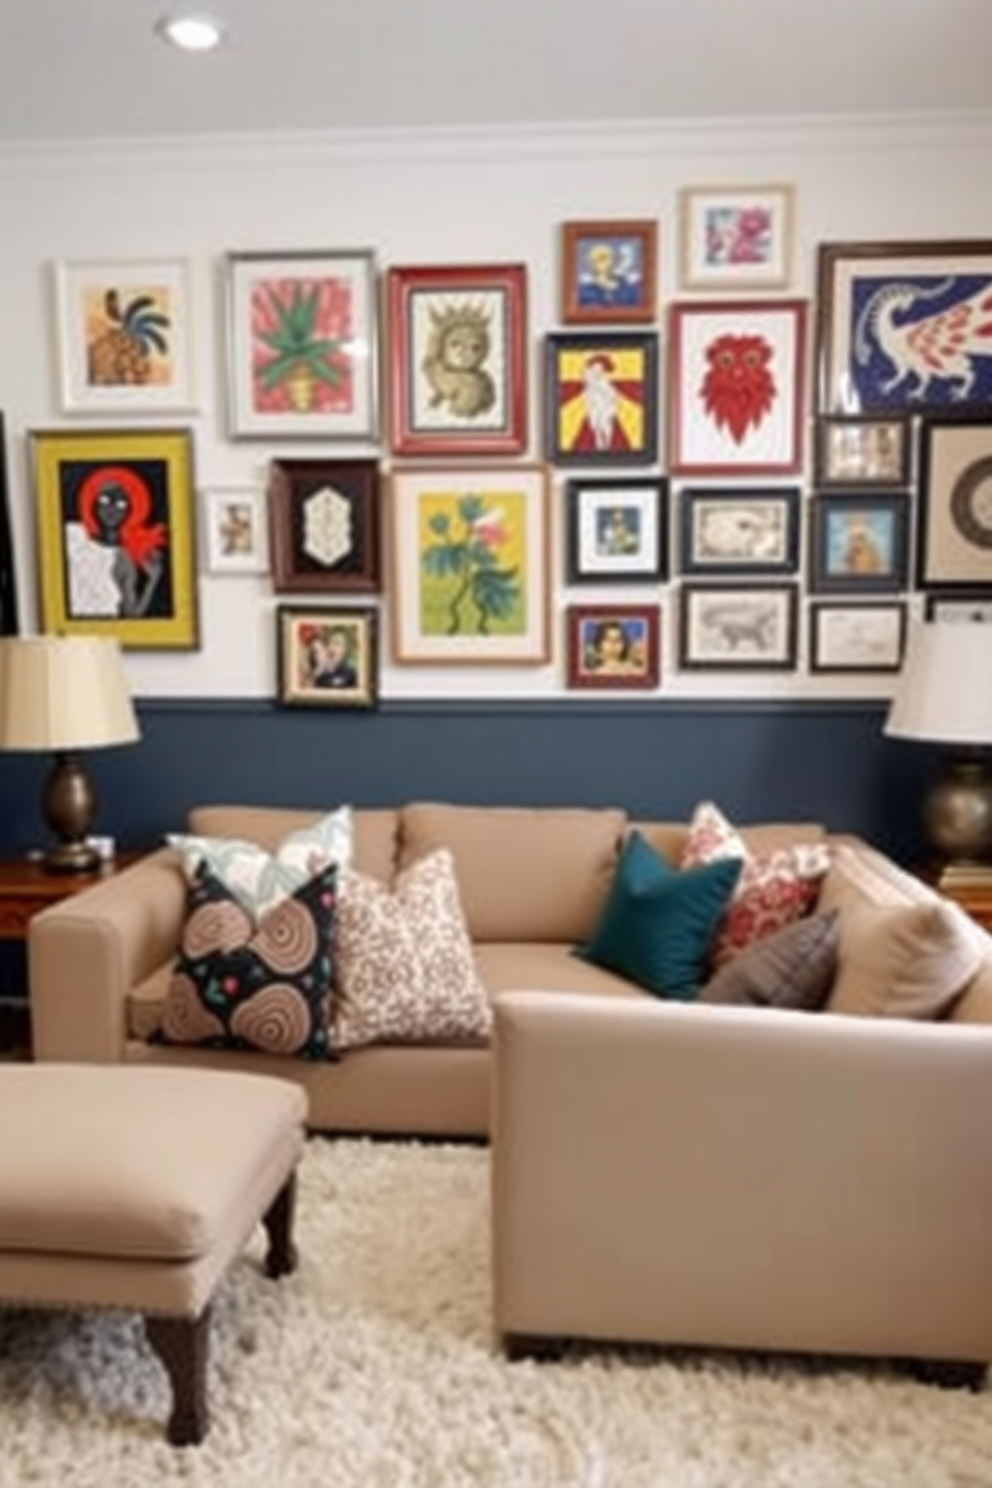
pixel 373 1366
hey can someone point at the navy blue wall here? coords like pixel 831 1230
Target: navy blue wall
pixel 826 761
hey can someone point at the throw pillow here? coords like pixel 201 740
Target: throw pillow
pixel 794 968
pixel 771 892
pixel 238 985
pixel 910 960
pixel 658 923
pixel 405 972
pixel 259 879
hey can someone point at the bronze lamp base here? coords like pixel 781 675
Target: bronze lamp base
pixel 69 805
pixel 957 816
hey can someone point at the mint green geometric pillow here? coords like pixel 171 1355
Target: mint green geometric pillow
pixel 258 879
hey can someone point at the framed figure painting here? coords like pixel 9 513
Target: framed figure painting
pixel 608 272
pixel 601 398
pixel 613 646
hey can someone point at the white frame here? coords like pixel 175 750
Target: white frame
pixel 772 271
pixel 78 280
pixel 254 560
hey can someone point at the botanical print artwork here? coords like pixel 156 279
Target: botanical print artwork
pixel 734 234
pixel 302 330
pixel 128 335
pixel 473 563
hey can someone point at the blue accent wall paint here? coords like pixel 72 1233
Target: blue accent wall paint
pixel 825 761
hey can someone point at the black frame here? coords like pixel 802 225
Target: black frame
pixel 598 343
pixel 291 483
pixel 692 497
pixel 747 593
pixel 855 580
pixel 613 570
pixel 291 694
pixel 953 503
pixel 819 608
pixel 960 599
pixel 826 424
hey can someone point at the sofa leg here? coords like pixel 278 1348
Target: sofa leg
pixel 181 1344
pixel 949 1374
pixel 530 1346
pixel 278 1220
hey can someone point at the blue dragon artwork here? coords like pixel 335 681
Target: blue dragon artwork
pixel 921 341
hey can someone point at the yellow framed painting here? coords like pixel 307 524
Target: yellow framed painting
pixel 469 558
pixel 115 535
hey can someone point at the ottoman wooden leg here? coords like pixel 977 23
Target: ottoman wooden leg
pixel 278 1220
pixel 181 1344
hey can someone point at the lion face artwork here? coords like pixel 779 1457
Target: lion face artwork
pixel 738 389
pixel 458 345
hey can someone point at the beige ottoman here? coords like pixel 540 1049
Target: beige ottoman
pixel 136 1188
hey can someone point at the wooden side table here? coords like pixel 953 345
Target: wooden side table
pixel 974 898
pixel 26 888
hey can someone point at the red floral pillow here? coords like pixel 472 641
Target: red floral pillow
pixel 771 892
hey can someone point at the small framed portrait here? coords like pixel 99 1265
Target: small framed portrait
pixel 613 646
pixel 862 450
pixel 736 387
pixel 736 237
pixel 302 345
pixel 727 628
pixel 743 530
pixel 457 360
pixel 115 535
pixel 124 337
pixel 601 398
pixel 954 537
pixel 616 530
pixel 865 637
pixel 859 543
pixel 609 272
pixel 327 658
pixel 324 519
pixel 974 608
pixel 235 537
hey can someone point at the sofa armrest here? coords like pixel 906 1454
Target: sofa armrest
pixel 87 952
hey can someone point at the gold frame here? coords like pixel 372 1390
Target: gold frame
pixel 157 465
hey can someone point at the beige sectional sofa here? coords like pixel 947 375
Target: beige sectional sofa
pixel 532 883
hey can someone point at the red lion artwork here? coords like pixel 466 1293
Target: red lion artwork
pixel 738 389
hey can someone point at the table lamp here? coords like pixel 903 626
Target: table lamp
pixel 65 694
pixel 944 696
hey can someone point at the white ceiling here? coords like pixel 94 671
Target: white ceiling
pixel 94 68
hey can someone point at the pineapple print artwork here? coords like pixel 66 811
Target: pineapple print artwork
pixel 128 336
pixel 302 345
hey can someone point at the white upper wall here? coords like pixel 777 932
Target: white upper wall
pixel 415 199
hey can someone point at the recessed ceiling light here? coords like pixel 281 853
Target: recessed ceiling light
pixel 193 33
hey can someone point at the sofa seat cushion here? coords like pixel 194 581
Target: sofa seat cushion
pixel 537 966
pixel 539 874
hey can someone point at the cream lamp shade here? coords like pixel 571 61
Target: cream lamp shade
pixel 63 694
pixel 944 696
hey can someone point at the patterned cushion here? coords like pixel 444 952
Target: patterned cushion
pixel 259 879
pixel 794 968
pixel 404 967
pixel 771 892
pixel 238 985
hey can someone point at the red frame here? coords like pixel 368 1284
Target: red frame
pixel 458 440
pixel 792 463
pixel 579 676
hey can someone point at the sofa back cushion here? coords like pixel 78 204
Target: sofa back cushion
pixel 523 874
pixel 374 842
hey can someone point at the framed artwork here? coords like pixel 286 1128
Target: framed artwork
pixel 954 537
pixel 324 525
pixel 9 619
pixel 616 530
pixel 609 272
pixel 469 550
pixel 302 345
pixel 327 658
pixel 736 237
pixel 723 628
pixel 856 637
pixel 903 327
pixel 458 360
pixel 737 529
pixel 736 387
pixel 863 450
pixel 974 608
pixel 123 335
pixel 235 530
pixel 860 543
pixel 612 646
pixel 601 398
pixel 115 535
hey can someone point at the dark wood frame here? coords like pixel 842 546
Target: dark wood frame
pixel 293 693
pixel 825 425
pixel 826 506
pixel 692 496
pixel 291 484
pixel 581 677
pixel 573 312
pixel 749 592
pixel 818 608
pixel 593 343
pixel 951 503
pixel 576 492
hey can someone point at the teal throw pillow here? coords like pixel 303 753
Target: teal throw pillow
pixel 658 922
